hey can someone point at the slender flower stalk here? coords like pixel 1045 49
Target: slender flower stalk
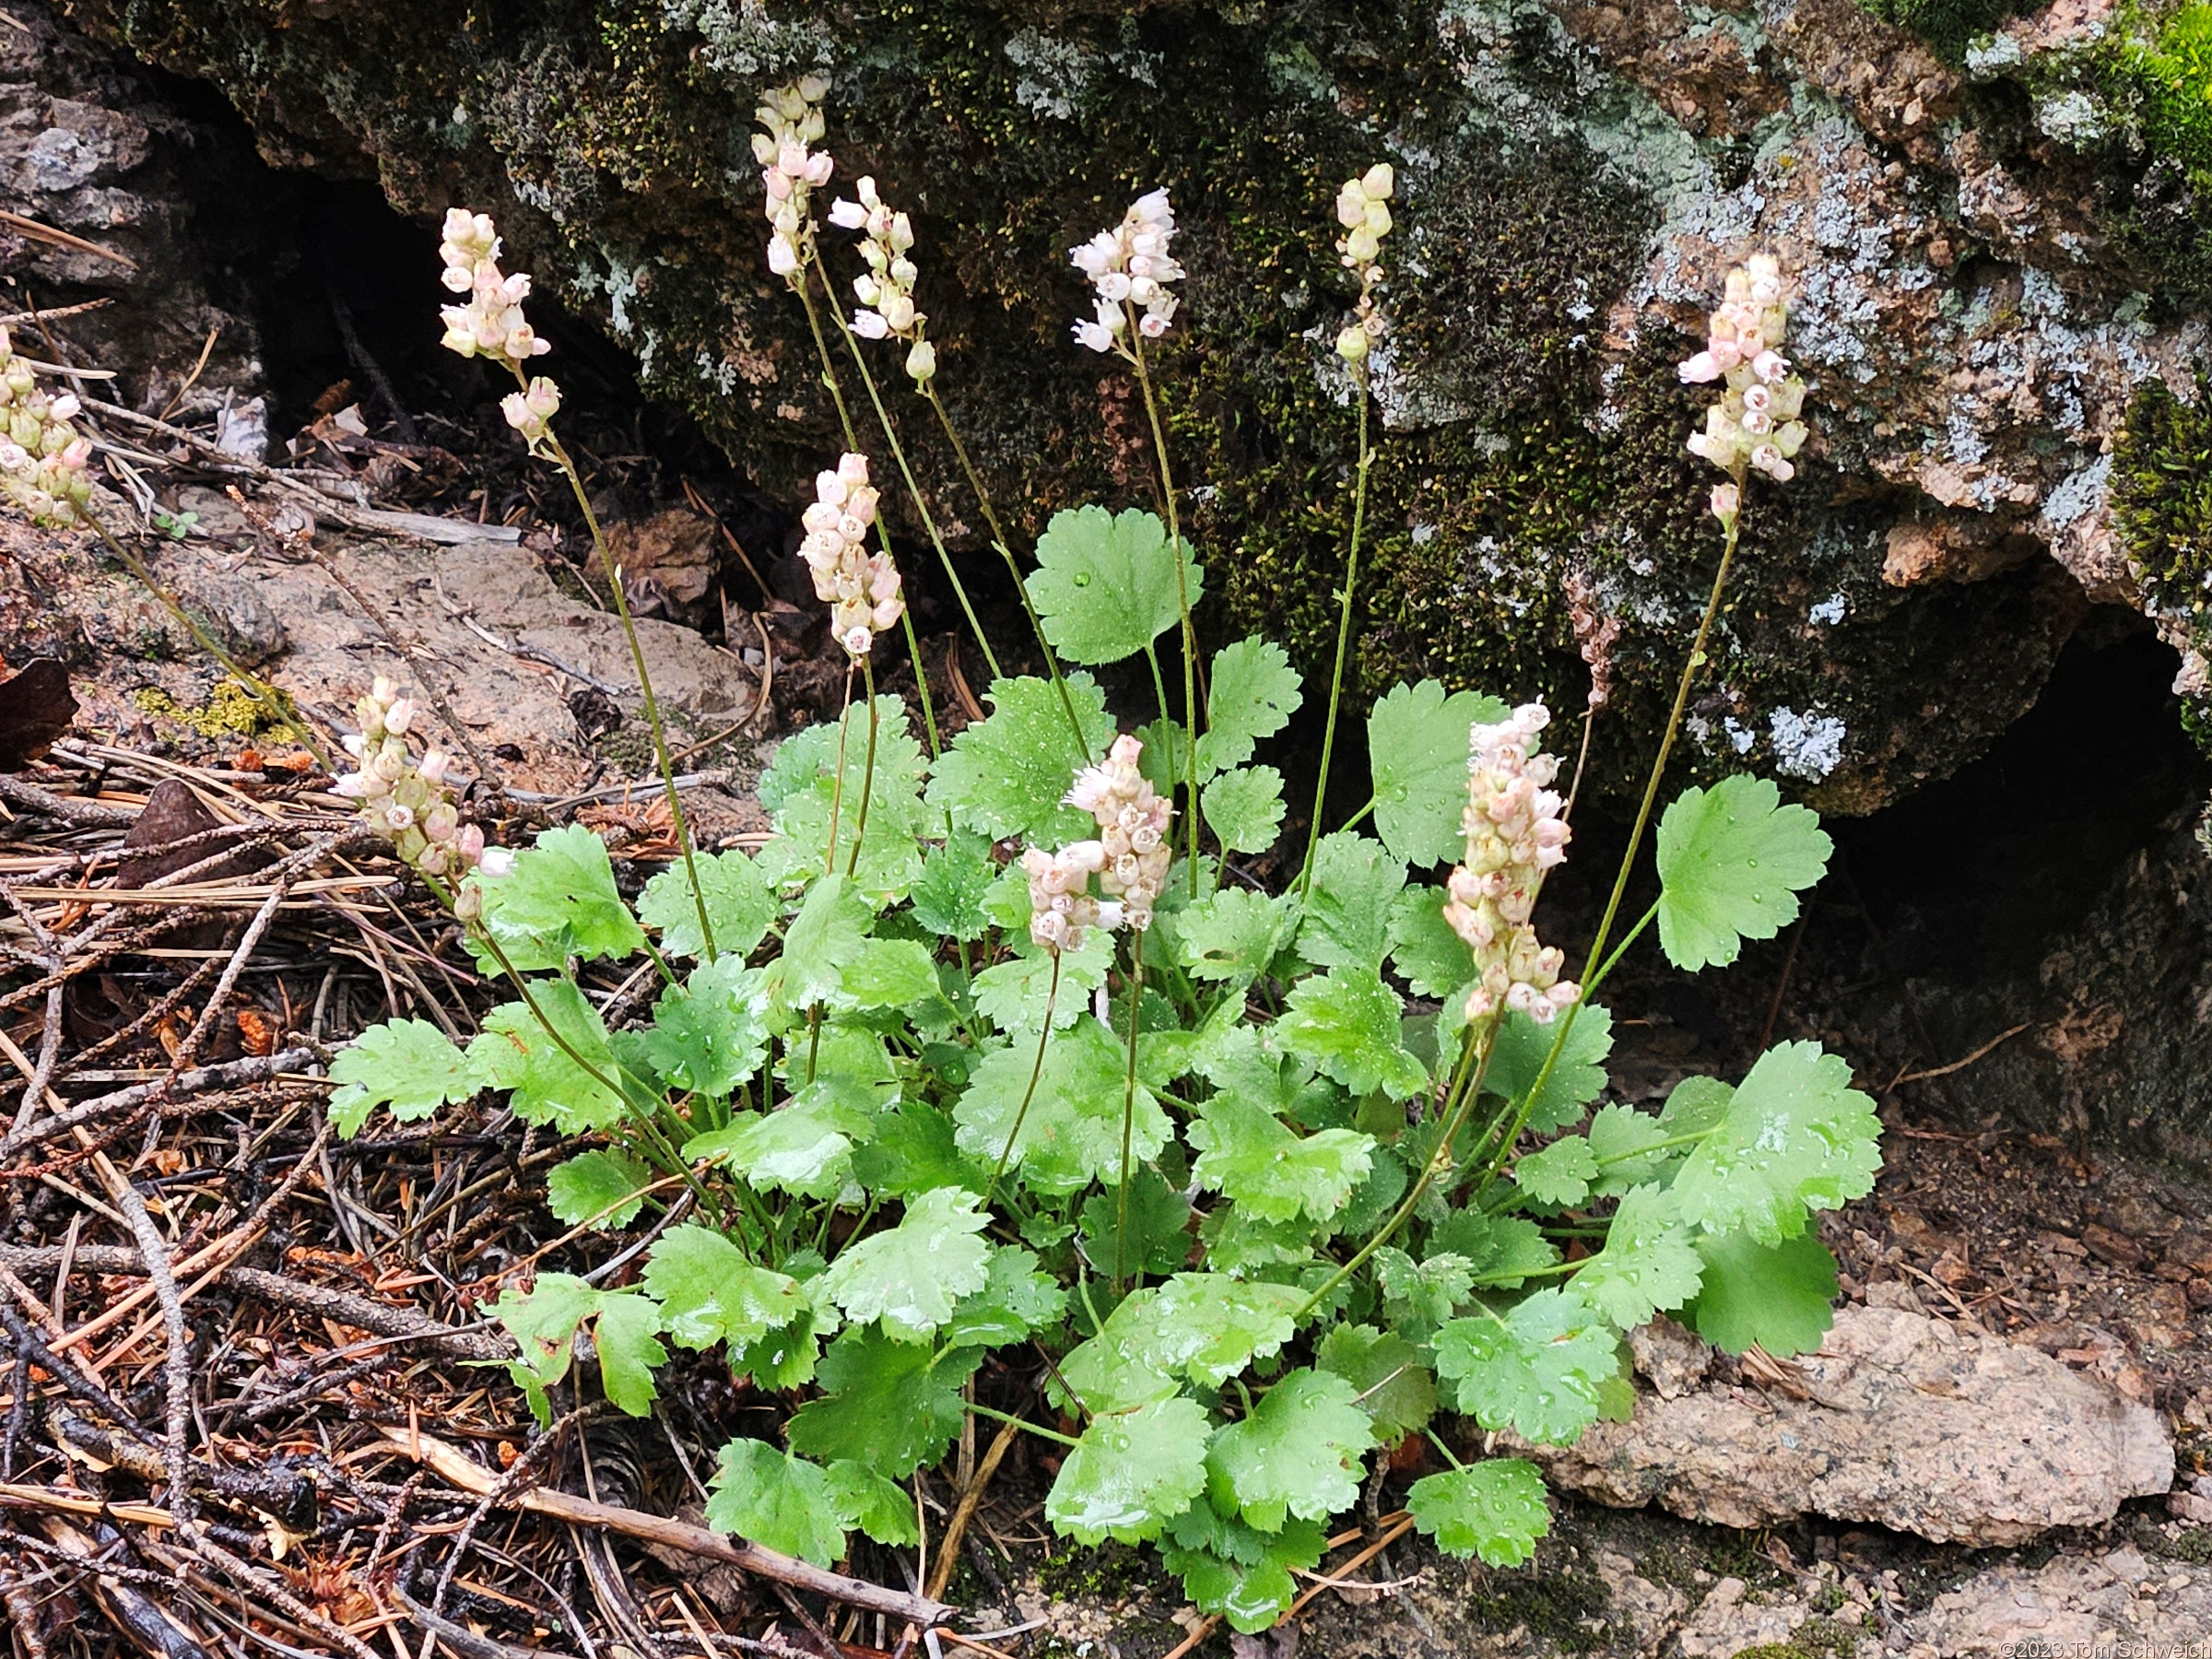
pixel 491 325
pixel 1363 210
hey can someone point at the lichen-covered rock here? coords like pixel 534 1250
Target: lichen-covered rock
pixel 1906 1422
pixel 1982 293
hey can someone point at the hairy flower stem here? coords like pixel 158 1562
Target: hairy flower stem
pixel 1695 661
pixel 1006 551
pixel 272 706
pixel 1466 1088
pixel 913 488
pixel 867 771
pixel 1052 995
pixel 844 419
pixel 1120 1205
pixel 837 781
pixel 1344 627
pixel 559 454
pixel 1183 596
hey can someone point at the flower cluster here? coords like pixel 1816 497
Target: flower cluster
pixel 1061 906
pixel 42 457
pixel 1130 267
pixel 1754 424
pixel 1514 834
pixel 887 290
pixel 491 325
pixel 531 411
pixel 791 120
pixel 408 801
pixel 1133 828
pixel 1363 210
pixel 860 589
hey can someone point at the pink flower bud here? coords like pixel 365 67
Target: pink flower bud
pixel 1726 502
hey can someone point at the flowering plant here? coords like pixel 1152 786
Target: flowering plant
pixel 984 1054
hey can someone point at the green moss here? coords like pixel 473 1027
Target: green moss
pixel 2161 491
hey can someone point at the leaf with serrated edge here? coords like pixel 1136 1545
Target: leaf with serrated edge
pixel 1346 1023
pixel 911 1274
pixel 597 1189
pixel 1559 1175
pixel 560 900
pixel 1395 1387
pixel 545 1085
pixel 1434 960
pixel 1732 860
pixel 1649 1264
pixel 1007 775
pixel 1017 1299
pixel 829 931
pixel 1298 1454
pixel 773 1498
pixel 1013 995
pixel 1251 693
pixel 878 1507
pixel 1233 934
pixel 1105 584
pixel 1261 1166
pixel 710 1293
pixel 1781 1297
pixel 1517 1058
pixel 892 1405
pixel 1073 1133
pixel 804 1148
pixel 408 1064
pixel 1347 903
pixel 740 905
pixel 1158 1215
pixel 623 1335
pixel 1538 1369
pixel 1495 1509
pixel 1244 809
pixel 1237 1572
pixel 707 1033
pixel 1131 1474
pixel 1629 1147
pixel 800 788
pixel 948 897
pixel 1797 1137
pixel 1418 743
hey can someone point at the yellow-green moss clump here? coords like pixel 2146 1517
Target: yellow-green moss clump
pixel 2162 501
pixel 230 711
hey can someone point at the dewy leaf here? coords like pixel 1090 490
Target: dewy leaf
pixel 1017 1297
pixel 1495 1509
pixel 516 1054
pixel 1434 960
pixel 1013 995
pixel 1629 1147
pixel 890 973
pixel 1251 694
pixel 1417 742
pixel 1006 776
pixel 707 1033
pixel 740 905
pixel 623 1333
pixel 1797 1137
pixel 1237 1570
pixel 1250 1157
pixel 1540 1370
pixel 829 932
pixel 1073 1133
pixel 1104 586
pixel 1393 1382
pixel 1244 807
pixel 1559 1175
pixel 560 900
pixel 1649 1264
pixel 1498 1250
pixel 1157 1216
pixel 804 1148
pixel 710 1293
pixel 543 1320
pixel 1517 1059
pixel 800 784
pixel 1731 860
pixel 910 1151
pixel 1423 1294
pixel 1131 1474
pixel 884 1403
pixel 1206 1326
pixel 909 1276
pixel 408 1064
pixel 1346 1023
pixel 878 1507
pixel 597 1189
pixel 1349 901
pixel 1298 1453
pixel 948 898
pixel 773 1498
pixel 1233 934
pixel 1779 1296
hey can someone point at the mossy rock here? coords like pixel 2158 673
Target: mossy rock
pixel 1531 474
